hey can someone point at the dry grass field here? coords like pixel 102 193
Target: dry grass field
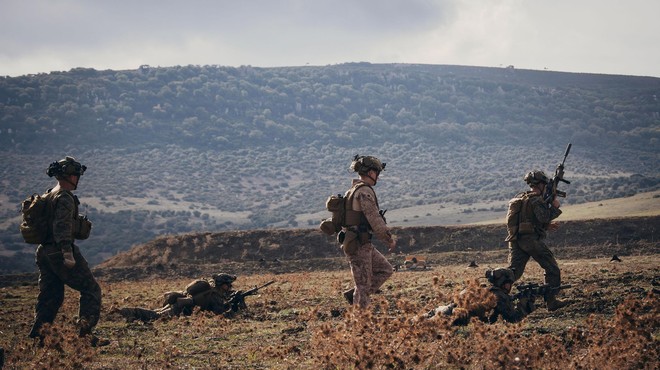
pixel 486 213
pixel 302 322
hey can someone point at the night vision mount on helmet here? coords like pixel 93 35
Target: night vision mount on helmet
pixel 536 177
pixel 500 276
pixel 223 279
pixel 65 167
pixel 362 164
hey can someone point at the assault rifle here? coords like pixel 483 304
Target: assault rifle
pixel 551 189
pixel 536 290
pixel 237 299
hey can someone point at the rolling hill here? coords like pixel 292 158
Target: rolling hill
pixel 206 149
pixel 581 234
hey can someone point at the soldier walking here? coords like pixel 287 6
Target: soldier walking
pixel 363 219
pixel 529 219
pixel 59 260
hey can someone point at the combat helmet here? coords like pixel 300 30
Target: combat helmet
pixel 500 276
pixel 223 279
pixel 65 167
pixel 536 177
pixel 362 164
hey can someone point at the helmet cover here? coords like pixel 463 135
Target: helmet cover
pixel 500 276
pixel 536 177
pixel 66 167
pixel 362 164
pixel 223 279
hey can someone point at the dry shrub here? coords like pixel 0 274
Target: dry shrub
pixel 473 301
pixel 499 345
pixel 62 348
pixel 302 323
pixel 375 338
pixel 627 341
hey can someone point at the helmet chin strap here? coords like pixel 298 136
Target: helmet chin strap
pixel 372 179
pixel 75 186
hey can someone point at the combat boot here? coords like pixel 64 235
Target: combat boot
pixel 554 304
pixel 85 333
pixel 349 295
pixel 35 333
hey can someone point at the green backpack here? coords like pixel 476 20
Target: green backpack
pixel 516 222
pixel 36 211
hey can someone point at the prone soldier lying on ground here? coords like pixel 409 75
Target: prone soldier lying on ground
pixel 216 296
pixel 488 304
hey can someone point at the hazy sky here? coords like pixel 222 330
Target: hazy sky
pixel 593 36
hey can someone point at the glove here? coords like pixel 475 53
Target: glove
pixel 526 305
pixel 237 301
pixel 67 253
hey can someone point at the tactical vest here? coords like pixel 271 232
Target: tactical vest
pixel 202 299
pixel 81 226
pixel 53 198
pixel 201 291
pixel 353 217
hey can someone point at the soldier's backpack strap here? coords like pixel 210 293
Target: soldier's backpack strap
pixel 513 216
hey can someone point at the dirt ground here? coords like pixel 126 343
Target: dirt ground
pixel 302 322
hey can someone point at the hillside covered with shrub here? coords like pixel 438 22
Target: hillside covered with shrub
pixel 174 150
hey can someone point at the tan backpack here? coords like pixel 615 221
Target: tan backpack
pixel 198 286
pixel 336 204
pixel 37 213
pixel 518 217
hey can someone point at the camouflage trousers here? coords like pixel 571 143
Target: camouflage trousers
pixel 143 314
pixel 531 246
pixel 370 269
pixel 183 305
pixel 53 275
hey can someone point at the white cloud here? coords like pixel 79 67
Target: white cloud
pixel 606 36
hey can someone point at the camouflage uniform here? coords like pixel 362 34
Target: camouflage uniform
pixel 214 299
pixel 53 274
pixel 531 243
pixel 506 308
pixel 370 269
pixel 496 302
pixel 142 314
